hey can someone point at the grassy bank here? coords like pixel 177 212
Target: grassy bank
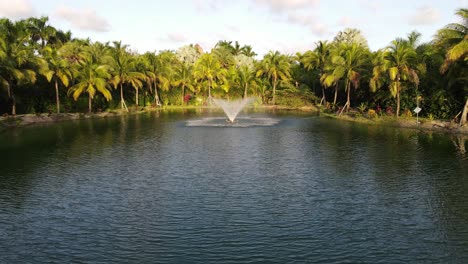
pixel 424 124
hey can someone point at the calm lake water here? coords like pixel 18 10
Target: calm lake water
pixel 152 189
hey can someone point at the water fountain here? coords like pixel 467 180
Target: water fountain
pixel 231 110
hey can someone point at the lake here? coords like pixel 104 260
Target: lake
pixel 154 188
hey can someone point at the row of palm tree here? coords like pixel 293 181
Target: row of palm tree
pixel 34 54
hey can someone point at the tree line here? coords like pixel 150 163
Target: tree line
pixel 44 69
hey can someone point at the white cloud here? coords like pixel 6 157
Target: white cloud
pixel 16 9
pixel 286 5
pixel 86 19
pixel 233 28
pixel 373 6
pixel 344 21
pixel 210 5
pixel 424 16
pixel 300 19
pixel 320 29
pixel 309 21
pixel 176 37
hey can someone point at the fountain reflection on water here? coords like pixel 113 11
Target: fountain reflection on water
pixel 231 110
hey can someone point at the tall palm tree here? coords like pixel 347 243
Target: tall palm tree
pixel 165 70
pixel 91 77
pixel 318 60
pixel 208 68
pixel 123 71
pixel 184 78
pixel 349 61
pixel 224 55
pixel 275 67
pixel 237 49
pixel 248 51
pixel 245 78
pixel 58 69
pixel 40 32
pixel 454 38
pixel 143 66
pixel 399 63
pixel 151 62
pixel 18 62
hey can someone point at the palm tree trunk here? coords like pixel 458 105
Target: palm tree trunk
pixel 209 89
pixel 274 90
pixel 13 101
pixel 398 101
pixel 57 98
pixel 348 97
pixel 246 86
pixel 89 104
pixel 13 106
pixel 348 101
pixel 324 100
pixel 156 96
pixel 121 97
pixel 136 98
pixel 336 94
pixel 183 94
pixel 464 114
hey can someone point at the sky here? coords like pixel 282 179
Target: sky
pixel 288 26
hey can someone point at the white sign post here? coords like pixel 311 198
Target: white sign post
pixel 417 110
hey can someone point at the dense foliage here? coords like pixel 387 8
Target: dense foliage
pixel 43 69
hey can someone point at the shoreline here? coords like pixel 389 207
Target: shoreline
pixel 425 125
pixel 9 122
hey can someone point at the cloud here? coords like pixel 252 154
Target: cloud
pixel 320 29
pixel 287 5
pixel 309 21
pixel 86 19
pixel 233 28
pixel 176 37
pixel 344 21
pixel 16 9
pixel 300 19
pixel 371 5
pixel 210 5
pixel 425 15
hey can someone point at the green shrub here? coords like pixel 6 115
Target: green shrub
pixel 362 107
pixel 294 99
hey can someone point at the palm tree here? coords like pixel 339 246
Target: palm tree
pixel 123 65
pixel 350 36
pixel 184 78
pixel 40 31
pixel 275 67
pixel 454 38
pixel 143 66
pixel 151 62
pixel 349 60
pixel 399 63
pixel 57 69
pixel 165 69
pixel 18 61
pixel 91 77
pixel 245 78
pixel 248 51
pixel 224 55
pixel 208 68
pixel 318 60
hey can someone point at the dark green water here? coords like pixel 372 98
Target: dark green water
pixel 150 189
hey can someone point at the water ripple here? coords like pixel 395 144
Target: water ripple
pixel 152 191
